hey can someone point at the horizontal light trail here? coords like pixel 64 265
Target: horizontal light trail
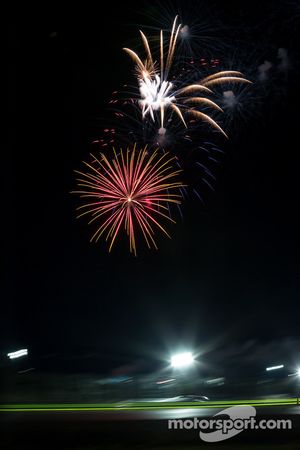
pixel 142 406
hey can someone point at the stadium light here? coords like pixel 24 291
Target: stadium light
pixel 18 353
pixel 298 372
pixel 181 360
pixel 281 366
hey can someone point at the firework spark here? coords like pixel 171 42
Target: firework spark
pixel 131 191
pixel 159 95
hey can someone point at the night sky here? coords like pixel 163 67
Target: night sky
pixel 231 273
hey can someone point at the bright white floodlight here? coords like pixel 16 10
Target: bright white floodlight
pixel 182 360
pixel 298 372
pixel 275 367
pixel 18 353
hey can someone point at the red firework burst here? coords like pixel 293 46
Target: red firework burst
pixel 130 191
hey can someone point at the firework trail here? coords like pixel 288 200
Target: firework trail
pixel 131 191
pixel 159 95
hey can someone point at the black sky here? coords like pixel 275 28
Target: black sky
pixel 231 272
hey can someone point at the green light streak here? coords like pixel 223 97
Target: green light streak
pixel 140 406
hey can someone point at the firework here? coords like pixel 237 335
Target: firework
pixel 131 191
pixel 158 95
